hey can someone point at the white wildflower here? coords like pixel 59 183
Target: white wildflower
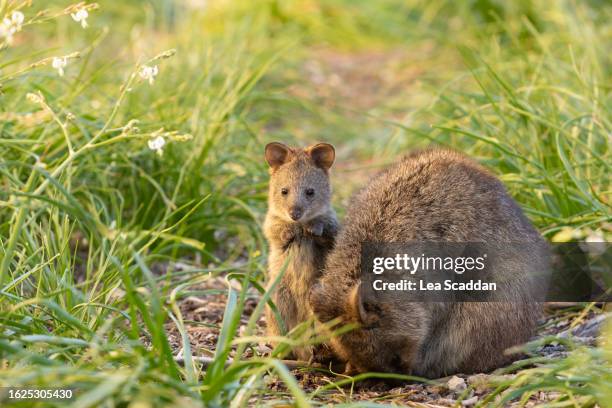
pixel 12 25
pixel 149 73
pixel 80 17
pixel 59 63
pixel 157 144
pixel 17 18
pixel 34 98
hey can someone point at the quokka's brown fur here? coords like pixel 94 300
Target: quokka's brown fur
pixel 434 195
pixel 300 227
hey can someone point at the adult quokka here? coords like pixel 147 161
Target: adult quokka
pixel 300 227
pixel 430 196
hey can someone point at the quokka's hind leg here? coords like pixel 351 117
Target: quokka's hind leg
pixel 287 311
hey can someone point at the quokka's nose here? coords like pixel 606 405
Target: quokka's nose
pixel 296 213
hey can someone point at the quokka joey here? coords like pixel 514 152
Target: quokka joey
pixel 430 196
pixel 300 227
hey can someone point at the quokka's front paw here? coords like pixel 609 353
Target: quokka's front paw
pixel 315 228
pixel 288 235
pixel 322 354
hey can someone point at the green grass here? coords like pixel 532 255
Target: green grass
pixel 90 215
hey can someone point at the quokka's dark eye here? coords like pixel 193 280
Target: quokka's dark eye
pixel 309 192
pixel 284 191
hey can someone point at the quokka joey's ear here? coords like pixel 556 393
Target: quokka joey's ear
pixel 323 155
pixel 366 312
pixel 277 154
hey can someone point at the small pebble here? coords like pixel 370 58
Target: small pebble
pixel 469 402
pixel 456 384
